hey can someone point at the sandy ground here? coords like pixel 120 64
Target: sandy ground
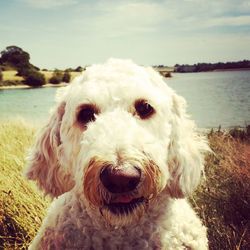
pixel 28 87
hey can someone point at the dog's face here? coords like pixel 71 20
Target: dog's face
pixel 120 138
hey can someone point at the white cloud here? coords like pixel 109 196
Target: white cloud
pixel 229 21
pixel 150 32
pixel 48 4
pixel 116 19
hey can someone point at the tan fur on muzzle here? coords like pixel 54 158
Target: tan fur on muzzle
pixel 97 195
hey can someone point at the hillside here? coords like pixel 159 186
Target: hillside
pixel 222 200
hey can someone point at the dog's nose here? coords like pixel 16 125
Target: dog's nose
pixel 120 180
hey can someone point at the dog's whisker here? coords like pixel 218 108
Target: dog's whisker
pixel 101 212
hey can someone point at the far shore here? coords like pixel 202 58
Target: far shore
pixel 240 69
pixel 22 86
pixel 160 70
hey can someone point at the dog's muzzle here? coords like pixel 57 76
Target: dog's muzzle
pixel 121 182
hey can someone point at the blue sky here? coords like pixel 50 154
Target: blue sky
pixel 69 33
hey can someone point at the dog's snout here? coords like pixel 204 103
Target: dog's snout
pixel 120 180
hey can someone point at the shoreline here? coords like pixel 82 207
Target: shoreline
pixel 22 86
pixel 211 71
pixel 240 69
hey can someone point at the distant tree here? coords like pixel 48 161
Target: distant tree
pixel 34 78
pixel 57 77
pixel 167 75
pixel 69 69
pixel 24 71
pixel 66 77
pixel 15 56
pixel 79 69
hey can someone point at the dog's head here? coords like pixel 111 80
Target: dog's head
pixel 121 138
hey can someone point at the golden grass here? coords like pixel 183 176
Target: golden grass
pixel 48 74
pixel 22 207
pixel 222 200
pixel 10 78
pixel 10 75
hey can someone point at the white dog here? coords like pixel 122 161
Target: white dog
pixel 120 154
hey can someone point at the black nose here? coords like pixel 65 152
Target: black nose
pixel 120 180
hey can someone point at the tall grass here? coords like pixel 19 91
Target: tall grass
pixel 222 200
pixel 22 207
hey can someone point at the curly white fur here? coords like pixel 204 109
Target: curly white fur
pixel 68 156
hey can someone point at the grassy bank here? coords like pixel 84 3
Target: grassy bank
pixel 22 207
pixel 222 200
pixel 11 80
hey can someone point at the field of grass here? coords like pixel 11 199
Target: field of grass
pixel 22 207
pixel 48 75
pixel 10 75
pixel 222 200
pixel 10 78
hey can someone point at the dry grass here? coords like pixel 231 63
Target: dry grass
pixel 48 75
pixel 222 200
pixel 10 78
pixel 22 207
pixel 10 75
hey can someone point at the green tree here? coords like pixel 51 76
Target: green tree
pixel 66 77
pixel 34 78
pixel 15 57
pixel 79 69
pixel 57 77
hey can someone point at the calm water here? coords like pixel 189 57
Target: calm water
pixel 217 98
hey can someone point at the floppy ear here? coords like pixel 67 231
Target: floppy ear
pixel 186 152
pixel 44 165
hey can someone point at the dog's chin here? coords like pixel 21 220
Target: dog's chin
pixel 125 208
pixel 124 213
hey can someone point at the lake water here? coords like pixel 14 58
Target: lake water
pixel 214 98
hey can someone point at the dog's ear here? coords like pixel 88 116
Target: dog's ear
pixel 186 151
pixel 44 158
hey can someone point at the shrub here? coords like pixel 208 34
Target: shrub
pixel 57 77
pixel 34 78
pixel 25 71
pixel 241 133
pixel 167 74
pixel 79 69
pixel 66 77
pixel 10 83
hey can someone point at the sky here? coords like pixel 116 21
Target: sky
pixel 70 33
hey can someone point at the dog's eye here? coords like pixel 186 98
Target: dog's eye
pixel 144 109
pixel 87 114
